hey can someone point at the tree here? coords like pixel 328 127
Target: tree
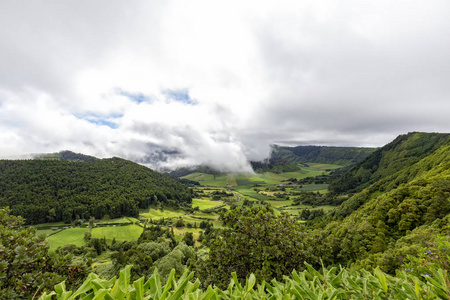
pixel 27 268
pixel 257 241
pixel 189 239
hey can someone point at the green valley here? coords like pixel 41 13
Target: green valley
pixel 378 212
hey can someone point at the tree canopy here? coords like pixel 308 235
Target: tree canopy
pixel 51 190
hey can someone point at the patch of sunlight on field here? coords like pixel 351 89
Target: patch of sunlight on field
pixel 120 233
pixel 153 213
pixel 67 236
pixel 205 204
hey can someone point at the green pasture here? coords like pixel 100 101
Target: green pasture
pixel 220 180
pixel 249 192
pixel 120 233
pixel 323 167
pixel 67 236
pixel 205 204
pixel 280 203
pixel 154 213
pixel 119 220
pixel 45 232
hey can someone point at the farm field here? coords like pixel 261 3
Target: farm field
pixel 280 203
pixel 154 213
pixel 119 220
pixel 244 185
pixel 67 236
pixel 323 167
pixel 205 204
pixel 120 233
pixel 235 180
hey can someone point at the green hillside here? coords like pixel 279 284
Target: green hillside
pixel 286 159
pixel 53 190
pixel 395 215
pixel 401 153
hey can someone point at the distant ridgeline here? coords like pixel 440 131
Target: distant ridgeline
pixel 66 155
pixel 52 190
pixel 287 159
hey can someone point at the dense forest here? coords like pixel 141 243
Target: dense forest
pixel 394 215
pixel 62 190
pixel 403 152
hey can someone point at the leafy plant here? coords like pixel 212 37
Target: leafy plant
pixel 26 265
pixel 330 283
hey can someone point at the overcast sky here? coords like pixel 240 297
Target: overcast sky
pixel 219 81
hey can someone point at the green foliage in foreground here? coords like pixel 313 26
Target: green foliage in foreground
pixel 26 265
pixel 257 241
pixel 331 283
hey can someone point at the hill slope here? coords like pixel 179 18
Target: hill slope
pixel 53 190
pixel 401 153
pixel 287 158
pixel 410 206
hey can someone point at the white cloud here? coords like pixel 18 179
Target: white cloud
pixel 257 72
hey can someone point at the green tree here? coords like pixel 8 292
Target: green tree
pixel 189 238
pixel 27 268
pixel 257 241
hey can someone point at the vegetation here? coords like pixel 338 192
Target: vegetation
pixel 259 242
pixel 388 223
pixel 290 159
pixel 26 265
pixel 50 190
pixel 401 153
pixel 330 283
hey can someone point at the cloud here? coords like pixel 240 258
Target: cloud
pixel 178 83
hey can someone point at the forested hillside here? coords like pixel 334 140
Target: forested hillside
pixel 403 152
pixel 53 190
pixel 393 217
pixel 287 158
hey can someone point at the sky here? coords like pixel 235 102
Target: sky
pixel 181 83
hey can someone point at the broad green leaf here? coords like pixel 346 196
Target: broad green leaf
pixel 139 288
pixel 251 282
pixel 124 279
pixel 100 294
pixel 382 279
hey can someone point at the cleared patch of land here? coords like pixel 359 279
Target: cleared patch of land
pixel 67 236
pixel 205 204
pixel 154 213
pixel 120 233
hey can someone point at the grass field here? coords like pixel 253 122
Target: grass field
pixel 280 203
pixel 45 232
pixel 119 220
pixel 120 233
pixel 67 236
pixel 153 213
pixel 323 167
pixel 249 192
pixel 205 204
